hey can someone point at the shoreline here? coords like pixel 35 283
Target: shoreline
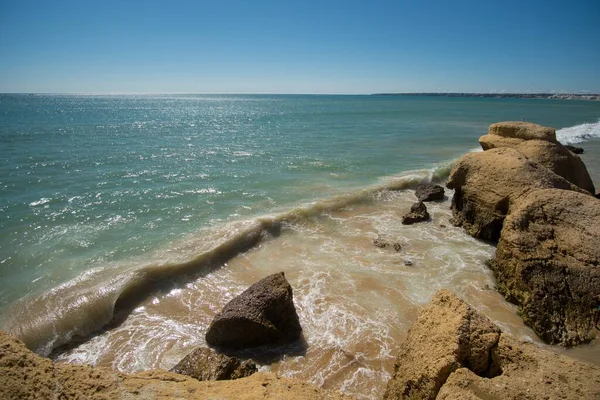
pixel 555 96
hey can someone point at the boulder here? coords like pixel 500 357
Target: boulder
pixel 263 314
pixel 539 144
pixel 548 263
pixel 487 183
pixel 574 149
pixel 206 365
pixel 429 192
pixel 418 213
pixel 25 375
pixel 454 352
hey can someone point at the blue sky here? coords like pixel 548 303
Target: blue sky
pixel 299 47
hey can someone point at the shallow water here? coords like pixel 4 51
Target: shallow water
pixel 355 301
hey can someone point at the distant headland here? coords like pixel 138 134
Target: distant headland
pixel 561 96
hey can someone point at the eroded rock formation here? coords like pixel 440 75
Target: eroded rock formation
pixel 538 143
pixel 454 352
pixel 548 262
pixel 487 183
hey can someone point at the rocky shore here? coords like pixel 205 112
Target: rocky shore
pixel 526 192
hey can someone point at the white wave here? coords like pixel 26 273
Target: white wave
pixel 40 202
pixel 578 133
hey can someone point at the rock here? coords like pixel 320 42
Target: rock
pixel 408 263
pixel 574 150
pixel 523 131
pixel 487 183
pixel 548 263
pixel 539 144
pixel 206 365
pixel 383 243
pixel 429 192
pixel 418 212
pixel 25 375
pixel 448 334
pixel 454 352
pixel 263 314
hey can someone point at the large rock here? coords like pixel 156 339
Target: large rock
pixel 454 352
pixel 25 375
pixel 539 144
pixel 487 183
pixel 418 213
pixel 548 262
pixel 263 314
pixel 207 365
pixel 429 192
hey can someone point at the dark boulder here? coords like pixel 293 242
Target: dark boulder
pixel 418 212
pixel 573 149
pixel 429 192
pixel 263 314
pixel 206 365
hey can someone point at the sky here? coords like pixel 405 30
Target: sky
pixel 279 46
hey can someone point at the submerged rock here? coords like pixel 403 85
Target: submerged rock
pixel 206 365
pixel 25 375
pixel 454 352
pixel 429 192
pixel 383 243
pixel 418 213
pixel 548 263
pixel 487 183
pixel 538 143
pixel 263 314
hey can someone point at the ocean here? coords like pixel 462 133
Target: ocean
pixel 128 221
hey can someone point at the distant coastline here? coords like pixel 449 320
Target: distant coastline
pixel 561 96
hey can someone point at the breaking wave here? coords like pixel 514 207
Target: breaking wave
pixel 103 297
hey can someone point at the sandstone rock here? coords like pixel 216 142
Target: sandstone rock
pixel 418 213
pixel 574 149
pixel 487 183
pixel 263 314
pixel 448 334
pixel 25 375
pixel 539 144
pixel 206 365
pixel 548 262
pixel 429 192
pixel 454 352
pixel 523 130
pixel 384 243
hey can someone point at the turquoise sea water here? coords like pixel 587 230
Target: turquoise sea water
pixel 96 183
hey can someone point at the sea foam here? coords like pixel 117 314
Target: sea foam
pixel 578 133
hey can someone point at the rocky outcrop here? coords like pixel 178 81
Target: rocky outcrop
pixel 429 192
pixel 538 143
pixel 418 213
pixel 548 262
pixel 487 183
pixel 206 365
pixel 454 352
pixel 263 314
pixel 25 375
